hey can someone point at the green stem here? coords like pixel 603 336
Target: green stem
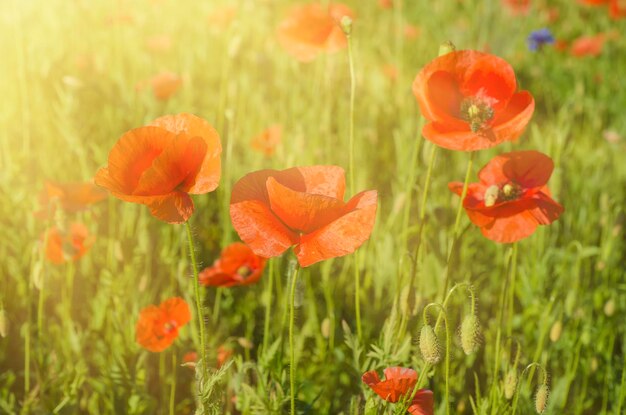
pixel 457 223
pixel 268 306
pixel 173 387
pixel 292 349
pixel 512 289
pixel 442 314
pixel 196 289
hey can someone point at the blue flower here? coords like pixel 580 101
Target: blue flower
pixel 538 38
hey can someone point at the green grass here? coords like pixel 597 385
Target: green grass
pixel 59 121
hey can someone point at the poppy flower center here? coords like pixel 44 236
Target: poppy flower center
pixel 170 326
pixel 476 112
pixel 508 192
pixel 244 271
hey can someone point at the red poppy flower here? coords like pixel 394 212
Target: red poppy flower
pixel 470 101
pixel 158 326
pixel 190 359
pixel 272 210
pixel 588 45
pixel 617 9
pixel 517 7
pixel 237 265
pixel 268 140
pixel 386 4
pixel 313 29
pixel 71 197
pixel 594 2
pixel 165 84
pixel 223 354
pixel 67 245
pixel 162 164
pixel 398 383
pixel 512 198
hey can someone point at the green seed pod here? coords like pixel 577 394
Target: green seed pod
pixel 470 334
pixel 429 345
pixel 555 331
pixel 541 398
pixel 3 323
pixel 510 384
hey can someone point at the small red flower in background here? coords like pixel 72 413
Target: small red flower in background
pixel 588 45
pixel 303 206
pixel 237 265
pixel 268 140
pixel 400 382
pixel 517 7
pixel 512 198
pixel 165 85
pixel 617 8
pixel 312 29
pixel 411 32
pixel 386 4
pixel 158 326
pixel 190 359
pixel 67 245
pixel 470 101
pixel 162 164
pixel 223 354
pixel 71 197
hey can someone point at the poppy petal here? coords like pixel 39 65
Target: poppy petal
pixel 423 403
pixel 511 228
pixel 342 236
pixel 527 168
pixel 260 229
pixel 175 207
pixel 207 179
pixel 490 78
pixel 177 309
pixel 131 156
pixel 302 211
pixel 547 210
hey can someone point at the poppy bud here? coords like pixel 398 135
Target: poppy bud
pixel 510 384
pixel 594 364
pixel 555 331
pixel 3 323
pixel 446 47
pixel 346 25
pixel 470 334
pixel 429 345
pixel 609 308
pixel 541 398
pixel 325 328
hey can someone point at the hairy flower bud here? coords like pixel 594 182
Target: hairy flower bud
pixel 470 334
pixel 510 384
pixel 541 398
pixel 429 345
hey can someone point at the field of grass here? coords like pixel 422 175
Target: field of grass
pixel 76 75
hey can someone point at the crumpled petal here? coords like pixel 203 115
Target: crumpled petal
pixel 208 177
pixel 423 403
pixel 526 168
pixel 342 236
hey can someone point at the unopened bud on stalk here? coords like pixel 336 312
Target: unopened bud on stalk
pixel 510 384
pixel 470 334
pixel 429 345
pixel 555 331
pixel 346 25
pixel 541 398
pixel 446 47
pixel 3 323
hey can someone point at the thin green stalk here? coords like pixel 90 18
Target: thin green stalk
pixel 173 386
pixel 196 289
pixel 347 28
pixel 442 314
pixel 457 223
pixel 292 349
pixel 512 289
pixel 216 305
pixel 268 306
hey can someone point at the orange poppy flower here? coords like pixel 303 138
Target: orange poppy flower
pixel 158 326
pixel 223 354
pixel 399 382
pixel 517 7
pixel 411 32
pixel 165 84
pixel 190 359
pixel 313 29
pixel 512 198
pixel 237 265
pixel 268 140
pixel 71 197
pixel 617 9
pixel 303 206
pixel 162 164
pixel 386 4
pixel 67 245
pixel 470 101
pixel 594 2
pixel 588 46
